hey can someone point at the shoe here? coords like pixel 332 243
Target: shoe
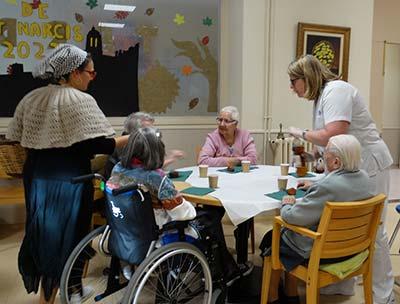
pixel 81 297
pixel 246 268
pixel 233 277
pixel 390 300
pixel 344 288
pixel 127 272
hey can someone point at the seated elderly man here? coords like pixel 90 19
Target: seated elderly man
pixel 344 181
pixel 228 146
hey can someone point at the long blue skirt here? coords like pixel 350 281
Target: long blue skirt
pixel 58 216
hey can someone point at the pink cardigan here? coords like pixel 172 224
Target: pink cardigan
pixel 216 150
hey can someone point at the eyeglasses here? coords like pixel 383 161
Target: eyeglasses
pixel 91 73
pixel 293 81
pixel 225 121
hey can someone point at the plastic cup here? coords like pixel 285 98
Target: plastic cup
pixel 282 183
pixel 213 181
pixel 284 169
pixel 203 170
pixel 301 171
pixel 245 166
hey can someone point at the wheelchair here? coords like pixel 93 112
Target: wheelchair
pixel 176 267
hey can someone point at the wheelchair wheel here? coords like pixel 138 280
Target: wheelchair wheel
pixel 175 273
pixel 91 274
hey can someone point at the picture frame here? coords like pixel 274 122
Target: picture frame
pixel 330 44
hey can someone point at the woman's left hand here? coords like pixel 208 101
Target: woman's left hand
pixel 296 132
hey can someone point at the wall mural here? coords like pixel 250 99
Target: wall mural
pixel 162 59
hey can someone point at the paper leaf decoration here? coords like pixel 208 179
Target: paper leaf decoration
pixel 35 4
pixel 91 3
pixel 79 18
pixel 121 15
pixel 187 70
pixel 149 11
pixel 179 19
pixel 205 40
pixel 193 103
pixel 207 21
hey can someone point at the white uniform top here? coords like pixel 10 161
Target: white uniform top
pixel 340 101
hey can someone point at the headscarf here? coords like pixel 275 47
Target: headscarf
pixel 64 59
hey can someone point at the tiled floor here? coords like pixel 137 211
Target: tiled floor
pixel 13 292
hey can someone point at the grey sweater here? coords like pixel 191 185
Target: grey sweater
pixel 337 186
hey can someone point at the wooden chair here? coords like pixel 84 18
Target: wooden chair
pixel 345 228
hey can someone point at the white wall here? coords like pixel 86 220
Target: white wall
pixel 384 104
pixel 356 14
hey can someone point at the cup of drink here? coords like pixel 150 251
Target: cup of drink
pixel 301 171
pixel 203 169
pixel 213 181
pixel 282 183
pixel 245 166
pixel 284 169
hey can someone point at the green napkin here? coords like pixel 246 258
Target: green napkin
pixel 200 191
pixel 307 175
pixel 237 169
pixel 183 175
pixel 280 194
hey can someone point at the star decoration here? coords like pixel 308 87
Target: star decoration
pixel 179 19
pixel 91 3
pixel 121 15
pixel 207 21
pixel 186 70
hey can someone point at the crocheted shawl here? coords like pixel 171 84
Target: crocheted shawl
pixel 57 116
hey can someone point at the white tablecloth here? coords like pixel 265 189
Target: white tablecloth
pixel 243 194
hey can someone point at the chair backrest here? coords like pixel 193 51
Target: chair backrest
pixel 197 150
pixel 348 228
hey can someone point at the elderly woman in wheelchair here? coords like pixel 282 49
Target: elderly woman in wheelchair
pixel 180 252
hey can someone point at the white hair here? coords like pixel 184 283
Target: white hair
pixel 348 149
pixel 233 111
pixel 134 121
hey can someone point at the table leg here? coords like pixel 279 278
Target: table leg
pixel 241 237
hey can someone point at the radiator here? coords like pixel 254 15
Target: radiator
pixel 282 150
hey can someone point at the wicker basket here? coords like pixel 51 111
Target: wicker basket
pixel 12 158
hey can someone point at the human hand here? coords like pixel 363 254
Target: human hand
pixel 288 200
pixel 304 184
pixel 232 162
pixel 176 154
pixel 296 132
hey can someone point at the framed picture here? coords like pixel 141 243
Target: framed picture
pixel 330 44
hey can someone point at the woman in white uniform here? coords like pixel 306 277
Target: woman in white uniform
pixel 340 109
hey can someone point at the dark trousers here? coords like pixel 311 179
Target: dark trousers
pixel 241 234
